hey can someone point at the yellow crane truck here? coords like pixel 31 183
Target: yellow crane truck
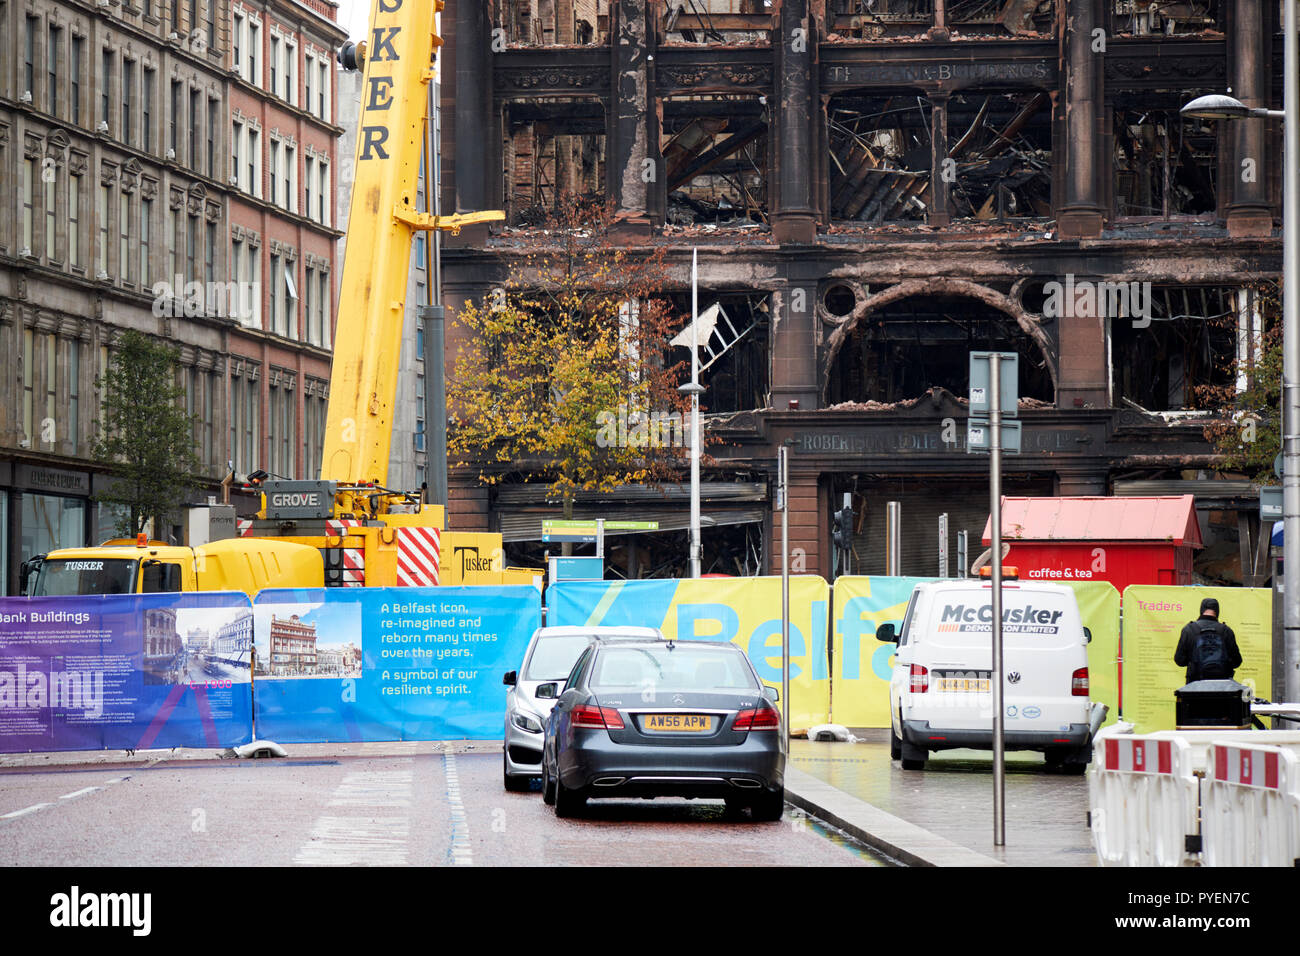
pixel 362 533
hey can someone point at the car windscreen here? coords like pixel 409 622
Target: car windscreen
pixel 554 657
pixel 62 577
pixel 694 669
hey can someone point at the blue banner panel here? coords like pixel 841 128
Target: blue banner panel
pixel 344 664
pixel 125 672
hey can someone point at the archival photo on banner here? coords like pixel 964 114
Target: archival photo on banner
pixel 744 611
pixel 125 672
pixel 1155 615
pixel 358 664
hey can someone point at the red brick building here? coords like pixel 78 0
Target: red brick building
pixel 282 155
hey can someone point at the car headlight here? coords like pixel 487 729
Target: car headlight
pixel 528 723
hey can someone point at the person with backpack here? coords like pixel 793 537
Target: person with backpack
pixel 1207 647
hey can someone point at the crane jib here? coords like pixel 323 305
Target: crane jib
pixel 379 89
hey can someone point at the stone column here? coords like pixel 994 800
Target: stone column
pixel 940 211
pixel 634 164
pixel 1083 373
pixel 794 220
pixel 1249 213
pixel 808 525
pixel 1081 215
pixel 794 346
pixel 469 136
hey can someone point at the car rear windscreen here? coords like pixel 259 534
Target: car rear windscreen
pixel 554 657
pixel 695 669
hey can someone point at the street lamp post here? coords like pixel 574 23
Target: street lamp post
pixel 1227 108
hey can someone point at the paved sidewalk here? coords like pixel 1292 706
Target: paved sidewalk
pixel 951 801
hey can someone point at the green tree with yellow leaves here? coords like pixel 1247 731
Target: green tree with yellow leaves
pixel 566 374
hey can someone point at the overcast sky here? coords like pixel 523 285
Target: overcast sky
pixel 352 17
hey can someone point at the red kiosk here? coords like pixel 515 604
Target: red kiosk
pixel 1121 540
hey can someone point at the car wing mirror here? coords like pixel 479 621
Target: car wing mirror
pixel 510 679
pixel 772 693
pixel 1087 635
pixel 548 691
pixel 887 633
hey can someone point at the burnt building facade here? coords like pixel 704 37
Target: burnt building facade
pixel 875 190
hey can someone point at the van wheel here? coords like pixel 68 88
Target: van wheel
pixel 913 757
pixel 895 745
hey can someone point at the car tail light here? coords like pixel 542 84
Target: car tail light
pixel 764 718
pixel 920 681
pixel 1079 685
pixel 599 718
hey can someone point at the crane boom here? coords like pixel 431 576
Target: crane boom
pixel 399 61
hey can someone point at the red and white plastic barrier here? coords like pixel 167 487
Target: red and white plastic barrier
pixel 1234 792
pixel 1251 806
pixel 1143 800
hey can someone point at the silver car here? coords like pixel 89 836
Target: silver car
pixel 551 654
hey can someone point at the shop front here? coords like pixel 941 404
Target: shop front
pixel 41 509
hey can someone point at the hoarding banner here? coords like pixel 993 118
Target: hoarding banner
pixel 125 672
pixel 861 665
pixel 369 664
pixel 744 611
pixel 1099 611
pixel 1155 615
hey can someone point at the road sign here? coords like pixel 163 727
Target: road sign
pixel 1270 503
pixel 577 569
pixel 585 531
pixel 979 436
pixel 980 398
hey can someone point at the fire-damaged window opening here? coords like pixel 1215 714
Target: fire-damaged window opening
pixel 733 336
pixel 552 22
pixel 715 152
pixel 876 19
pixel 999 148
pixel 1167 17
pixel 880 157
pixel 1190 340
pixel 903 350
pixel 1002 146
pixel 549 157
pixel 717 21
pixel 1165 164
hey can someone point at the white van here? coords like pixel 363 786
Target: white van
pixel 940 692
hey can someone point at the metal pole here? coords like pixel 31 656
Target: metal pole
pixel 943 545
pixel 1291 364
pixel 696 549
pixel 893 538
pixel 783 498
pixel 962 564
pixel 995 505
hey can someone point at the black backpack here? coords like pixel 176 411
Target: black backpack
pixel 1210 655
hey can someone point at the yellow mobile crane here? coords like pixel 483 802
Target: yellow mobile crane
pixel 366 533
pixel 371 534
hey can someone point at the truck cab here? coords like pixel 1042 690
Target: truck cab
pixel 235 564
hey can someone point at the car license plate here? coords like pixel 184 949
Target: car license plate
pixel 962 685
pixel 677 723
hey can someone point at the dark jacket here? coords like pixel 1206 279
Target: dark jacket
pixel 1185 655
